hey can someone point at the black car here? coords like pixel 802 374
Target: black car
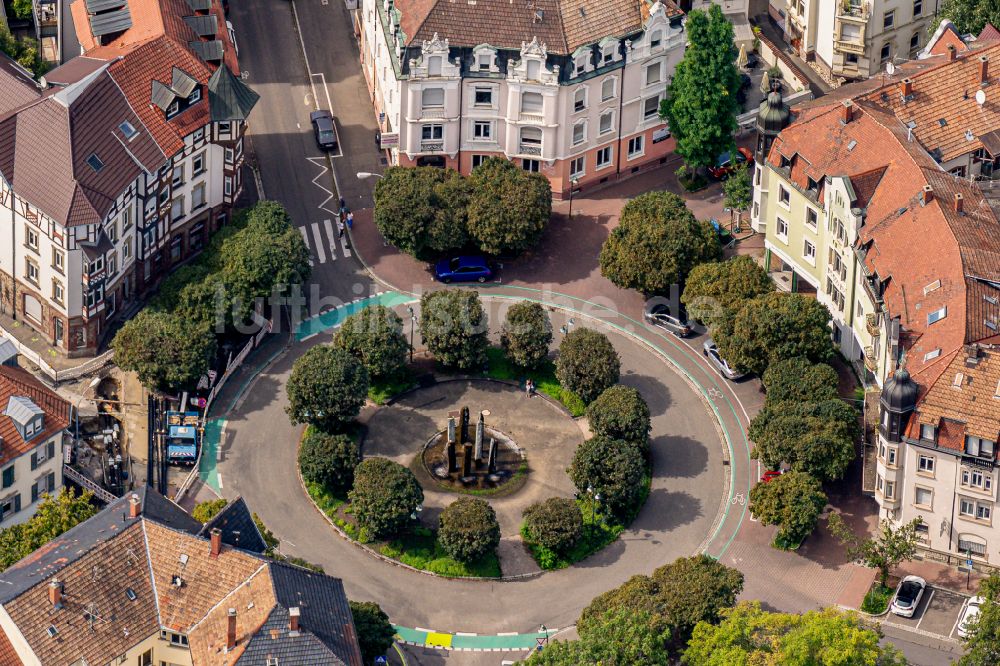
pixel 325 129
pixel 659 315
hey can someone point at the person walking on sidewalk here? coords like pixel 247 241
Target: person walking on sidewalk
pixel 350 220
pixel 529 387
pixel 340 229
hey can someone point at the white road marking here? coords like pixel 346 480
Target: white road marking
pixel 328 225
pixel 305 56
pixel 319 161
pixel 219 474
pixel 926 606
pixel 343 243
pixel 305 237
pixel 319 243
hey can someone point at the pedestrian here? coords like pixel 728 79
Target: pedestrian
pixel 529 387
pixel 343 205
pixel 340 229
pixel 350 220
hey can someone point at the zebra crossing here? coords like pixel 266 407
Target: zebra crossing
pixel 322 240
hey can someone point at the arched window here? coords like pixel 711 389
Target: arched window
pixel 531 136
pixel 432 97
pixel 531 102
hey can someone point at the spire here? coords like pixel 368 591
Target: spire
pixel 228 97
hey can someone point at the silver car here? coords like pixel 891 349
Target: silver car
pixel 658 314
pixel 970 613
pixel 711 352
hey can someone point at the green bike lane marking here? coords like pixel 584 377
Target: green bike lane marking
pixel 210 441
pixel 333 318
pixel 470 642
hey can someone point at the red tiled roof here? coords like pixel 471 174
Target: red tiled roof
pixel 15 382
pixel 17 88
pixel 8 657
pixel 988 34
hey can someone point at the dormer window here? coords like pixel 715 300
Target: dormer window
pixel 979 447
pixel 655 39
pixel 580 64
pixel 534 70
pixel 608 54
pixel 434 66
pixel 128 129
pixel 928 433
pixel 484 61
pixel 173 109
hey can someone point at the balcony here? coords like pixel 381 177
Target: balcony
pixel 857 48
pixel 533 149
pixel 434 146
pixel 432 112
pixel 871 361
pixel 871 324
pixel 527 117
pixel 856 11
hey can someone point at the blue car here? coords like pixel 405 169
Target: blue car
pixel 462 269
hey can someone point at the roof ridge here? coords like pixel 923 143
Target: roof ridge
pixel 244 583
pixel 152 575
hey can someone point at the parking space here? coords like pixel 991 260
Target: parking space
pixel 937 614
pixel 918 615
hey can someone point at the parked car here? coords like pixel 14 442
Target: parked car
pixel 727 163
pixel 970 611
pixel 771 475
pixel 658 314
pixel 908 595
pixel 463 269
pixel 711 351
pixel 325 129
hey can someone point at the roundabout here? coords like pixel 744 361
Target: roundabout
pixel 686 508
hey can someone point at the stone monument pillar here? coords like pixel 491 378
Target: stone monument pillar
pixel 452 461
pixel 492 469
pixel 464 425
pixel 467 461
pixel 480 430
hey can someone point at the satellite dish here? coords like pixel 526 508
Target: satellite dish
pixel 980 97
pixel 890 69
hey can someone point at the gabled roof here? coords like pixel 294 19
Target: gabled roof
pixel 238 528
pixel 228 97
pixel 16 385
pixel 17 87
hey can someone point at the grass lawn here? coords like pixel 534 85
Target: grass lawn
pixel 544 377
pixel 877 600
pixel 599 530
pixel 381 390
pixel 419 549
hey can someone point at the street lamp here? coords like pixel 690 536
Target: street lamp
pixel 590 494
pixel 413 320
pixel 365 175
pixel 572 185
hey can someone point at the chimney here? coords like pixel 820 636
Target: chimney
pixel 134 506
pixel 293 619
pixel 847 111
pixel 55 593
pixel 906 87
pixel 952 53
pixel 958 202
pixel 216 536
pixel 927 195
pixel 984 70
pixel 231 630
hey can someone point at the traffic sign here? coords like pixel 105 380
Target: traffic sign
pixel 381 660
pixel 968 563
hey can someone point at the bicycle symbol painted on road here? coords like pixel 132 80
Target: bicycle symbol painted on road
pixel 714 394
pixel 739 498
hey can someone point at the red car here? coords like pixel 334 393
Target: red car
pixel 770 475
pixel 727 163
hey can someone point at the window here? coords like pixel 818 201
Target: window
pixel 31 271
pixel 432 98
pixel 177 208
pixel 983 511
pixel 653 73
pixel 530 165
pixel 607 122
pixel 227 186
pixel 128 129
pixel 851 59
pixel 885 53
pixel 579 100
pixel 925 464
pixel 478 159
pixel 888 20
pixel 431 132
pixel 576 166
pixel 94 162
pixel 230 155
pixel 484 61
pixel 784 196
pixel 531 102
pixel 46 484
pixel 809 252
pixel 198 196
pixel 112 231
pixel 31 237
pixel 434 66
pixel 146 658
pixel 8 477
pixel 923 496
pixel 96 266
pixel 531 136
pixel 198 164
pixel 928 432
pixel 918 8
pixel 604 157
pixel 971 547
pixel 10 505
pixel 782 227
pixel 932 354
pixel 580 64
pixel 655 39
pixel 178 176
pixel 635 146
pixel 651 108
pixel 127 249
pixel 977 446
pixel 194 97
pixel 914 41
pixel 937 315
pixel 482 130
pixel 484 97
pixel 534 70
pixel 812 218
pixel 126 219
pixel 890 490
pixel 608 54
pixel 977 478
pixel 225 127
pixel 57 292
pixel 890 456
pixel 58 260
pixel 579 133
pixel 967 507
pixel 608 89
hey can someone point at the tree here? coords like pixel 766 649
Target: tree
pixel 969 16
pixel 775 327
pixel 422 210
pixel 701 104
pixel 656 244
pixel 526 334
pixel 454 326
pixel 374 631
pixel 271 542
pixel 384 496
pixel 266 256
pixel 509 208
pixel 623 637
pixel 620 413
pixel 327 388
pixel 469 530
pixel 375 337
pixel 21 8
pixel 166 352
pixel 613 469
pixel 982 645
pixel 793 502
pixel 799 380
pixel 53 516
pixel 328 460
pixel 716 290
pixel 750 635
pixel 556 524
pixel 587 364
pixel 737 191
pixel 205 511
pixel 886 550
pixel 813 437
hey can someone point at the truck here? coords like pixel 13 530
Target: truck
pixel 183 437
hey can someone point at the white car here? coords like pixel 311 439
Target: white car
pixel 970 611
pixel 908 596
